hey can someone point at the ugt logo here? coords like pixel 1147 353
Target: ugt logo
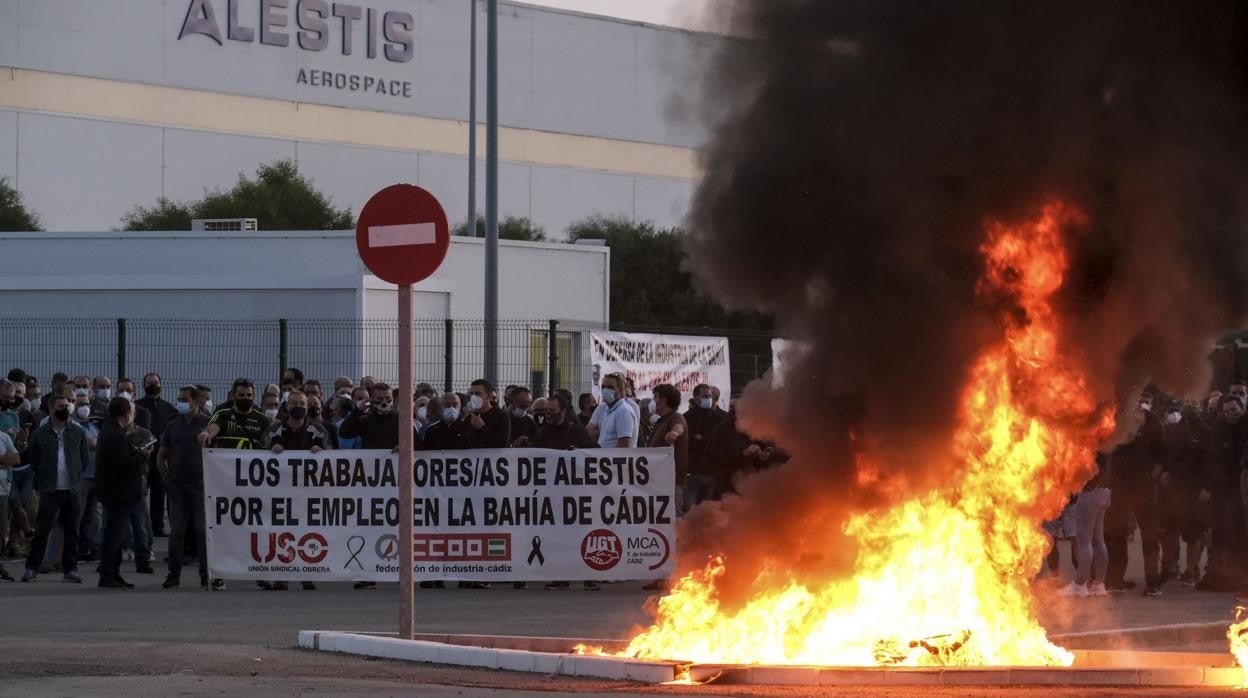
pixel 601 549
pixel 283 547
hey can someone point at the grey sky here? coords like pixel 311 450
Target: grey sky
pixel 681 13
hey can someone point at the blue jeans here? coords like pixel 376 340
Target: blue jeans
pixel 118 518
pixel 1093 556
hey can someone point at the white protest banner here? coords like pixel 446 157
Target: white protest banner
pixel 504 515
pixel 653 359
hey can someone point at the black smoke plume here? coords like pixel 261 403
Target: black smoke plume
pixel 857 149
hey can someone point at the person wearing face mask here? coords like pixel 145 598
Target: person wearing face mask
pixel 671 430
pixel 341 409
pixel 704 481
pixel 523 426
pixel 160 413
pixel 375 422
pixel 181 463
pixel 488 426
pixel 561 430
pixel 142 417
pixel 18 425
pixel 1140 466
pixel 421 411
pixel 89 511
pixel 240 426
pixel 450 432
pixel 614 421
pixel 1219 498
pixel 121 461
pixel 270 406
pixel 57 455
pixel 101 394
pixel 295 433
pixel 318 417
pixel 1189 443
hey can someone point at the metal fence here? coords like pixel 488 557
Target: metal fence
pixel 449 354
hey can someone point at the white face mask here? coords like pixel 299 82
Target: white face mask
pixel 83 411
pixel 271 413
pixel 422 413
pixel 126 394
pixel 475 403
pixel 1173 418
pixel 285 396
pixel 1147 407
pixel 654 418
pixel 208 406
pixel 104 393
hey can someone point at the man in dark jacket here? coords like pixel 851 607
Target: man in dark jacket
pixel 120 462
pixel 733 451
pixel 1139 466
pixel 161 413
pixel 376 422
pixel 1220 497
pixel 488 426
pixel 181 463
pixel 523 426
pixel 703 481
pixel 450 431
pixel 561 429
pixel 57 455
pixel 1189 445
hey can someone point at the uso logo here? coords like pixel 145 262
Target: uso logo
pixel 601 549
pixel 284 547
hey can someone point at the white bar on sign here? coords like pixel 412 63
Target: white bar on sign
pixel 399 235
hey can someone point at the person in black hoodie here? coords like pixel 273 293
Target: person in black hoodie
pixel 703 481
pixel 1189 444
pixel 1139 466
pixel 120 463
pixel 450 431
pixel 1220 497
pixel 488 426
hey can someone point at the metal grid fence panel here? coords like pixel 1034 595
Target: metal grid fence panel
pixel 447 353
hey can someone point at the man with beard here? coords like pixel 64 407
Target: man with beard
pixel 1189 445
pixel 1221 498
pixel 1138 467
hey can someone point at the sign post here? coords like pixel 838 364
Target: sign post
pixel 403 237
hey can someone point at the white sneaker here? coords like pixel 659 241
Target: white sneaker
pixel 1097 589
pixel 1073 589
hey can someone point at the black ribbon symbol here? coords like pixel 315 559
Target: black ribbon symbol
pixel 355 544
pixel 537 552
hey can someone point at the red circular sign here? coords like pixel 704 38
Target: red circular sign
pixel 402 234
pixel 601 549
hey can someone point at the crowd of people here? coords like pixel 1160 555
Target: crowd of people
pixel 1181 480
pixel 95 470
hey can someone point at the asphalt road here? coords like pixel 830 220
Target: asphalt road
pixel 70 640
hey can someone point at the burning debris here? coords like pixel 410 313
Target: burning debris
pixel 987 223
pixel 1237 634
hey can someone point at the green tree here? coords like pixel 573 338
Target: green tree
pixel 651 285
pixel 14 217
pixel 279 197
pixel 510 228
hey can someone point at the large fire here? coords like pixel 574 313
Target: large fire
pixel 942 577
pixel 1238 636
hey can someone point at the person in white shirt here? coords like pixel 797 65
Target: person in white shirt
pixel 614 423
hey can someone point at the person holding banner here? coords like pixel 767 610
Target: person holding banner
pixel 239 425
pixel 561 431
pixel 294 433
pixel 488 426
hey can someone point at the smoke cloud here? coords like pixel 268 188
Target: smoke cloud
pixel 857 149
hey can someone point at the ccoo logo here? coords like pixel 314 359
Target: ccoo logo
pixel 601 549
pixel 283 547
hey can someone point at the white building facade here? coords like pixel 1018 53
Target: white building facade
pixel 105 105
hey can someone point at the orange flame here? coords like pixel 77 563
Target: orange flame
pixel 943 577
pixel 1238 636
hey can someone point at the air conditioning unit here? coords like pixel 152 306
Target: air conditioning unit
pixel 219 225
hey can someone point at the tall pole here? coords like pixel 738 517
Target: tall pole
pixel 491 193
pixel 472 119
pixel 407 610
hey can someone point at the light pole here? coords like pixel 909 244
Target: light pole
pixel 491 193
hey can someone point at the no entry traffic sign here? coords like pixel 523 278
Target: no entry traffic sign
pixel 402 234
